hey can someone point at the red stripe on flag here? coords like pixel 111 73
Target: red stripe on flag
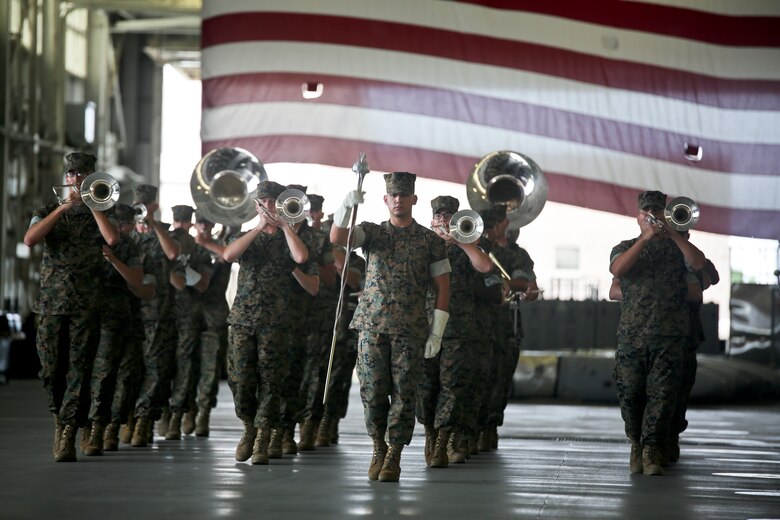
pixel 497 113
pixel 721 29
pixel 738 94
pixel 565 189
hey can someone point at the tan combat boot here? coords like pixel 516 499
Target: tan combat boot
pixel 174 427
pixel 635 462
pixel 391 469
pixel 377 459
pixel 439 458
pixel 430 443
pixel 126 430
pixel 650 461
pixel 483 443
pixel 322 439
pixel 141 433
pixel 289 446
pixel 260 449
pixel 244 448
pixel 111 437
pixel 66 451
pixel 275 444
pixel 57 434
pixel 202 422
pixel 84 438
pixel 453 451
pixel 465 447
pixel 163 423
pixel 334 430
pixel 95 445
pixel 306 441
pixel 188 423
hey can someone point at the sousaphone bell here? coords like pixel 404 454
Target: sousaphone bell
pixel 224 185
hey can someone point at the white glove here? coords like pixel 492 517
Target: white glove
pixel 192 276
pixel 341 217
pixel 433 343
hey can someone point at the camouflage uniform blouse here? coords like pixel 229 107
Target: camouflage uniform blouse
pixel 463 321
pixel 187 302
pixel 400 263
pixel 654 291
pixel 156 264
pixel 116 294
pixel 320 253
pixel 72 254
pixel 264 282
pixel 214 299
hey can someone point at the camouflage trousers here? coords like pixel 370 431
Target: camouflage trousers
pixel 505 356
pixel 689 367
pixel 443 386
pixel 66 346
pixel 255 363
pixel 187 363
pixel 389 368
pixel 647 378
pixel 478 388
pixel 114 339
pixel 292 402
pixel 315 370
pixel 129 375
pixel 344 359
pixel 213 346
pixel 158 358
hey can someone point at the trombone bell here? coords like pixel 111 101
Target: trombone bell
pixel 292 206
pixel 681 214
pixel 466 226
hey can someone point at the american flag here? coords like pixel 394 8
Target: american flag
pixel 609 97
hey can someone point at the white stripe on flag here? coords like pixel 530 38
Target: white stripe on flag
pixel 331 121
pixel 495 82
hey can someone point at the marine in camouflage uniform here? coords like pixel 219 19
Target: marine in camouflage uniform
pixel 303 304
pixel 446 376
pixel 72 236
pixel 345 350
pixel 509 330
pixel 652 331
pixel 403 259
pixel 697 283
pixel 213 340
pixel 122 266
pixel 158 251
pixel 267 254
pixel 190 277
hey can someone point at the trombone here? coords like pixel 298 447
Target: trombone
pixel 99 191
pixel 465 226
pixel 680 214
pixel 292 206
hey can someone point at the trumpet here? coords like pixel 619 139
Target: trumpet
pixel 681 214
pixel 292 206
pixel 99 191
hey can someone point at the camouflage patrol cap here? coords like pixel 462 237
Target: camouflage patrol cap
pixel 655 199
pixel 182 213
pixel 124 214
pixel 400 183
pixel 316 202
pixel 145 194
pixel 493 216
pixel 80 162
pixel 445 202
pixel 297 187
pixel 269 189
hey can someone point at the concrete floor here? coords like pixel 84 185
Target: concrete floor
pixel 554 461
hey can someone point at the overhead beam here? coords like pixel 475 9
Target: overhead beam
pixel 173 24
pixel 161 7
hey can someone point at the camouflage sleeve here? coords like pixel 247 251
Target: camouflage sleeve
pixel 364 234
pixel 38 215
pixel 524 266
pixel 619 250
pixel 440 262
